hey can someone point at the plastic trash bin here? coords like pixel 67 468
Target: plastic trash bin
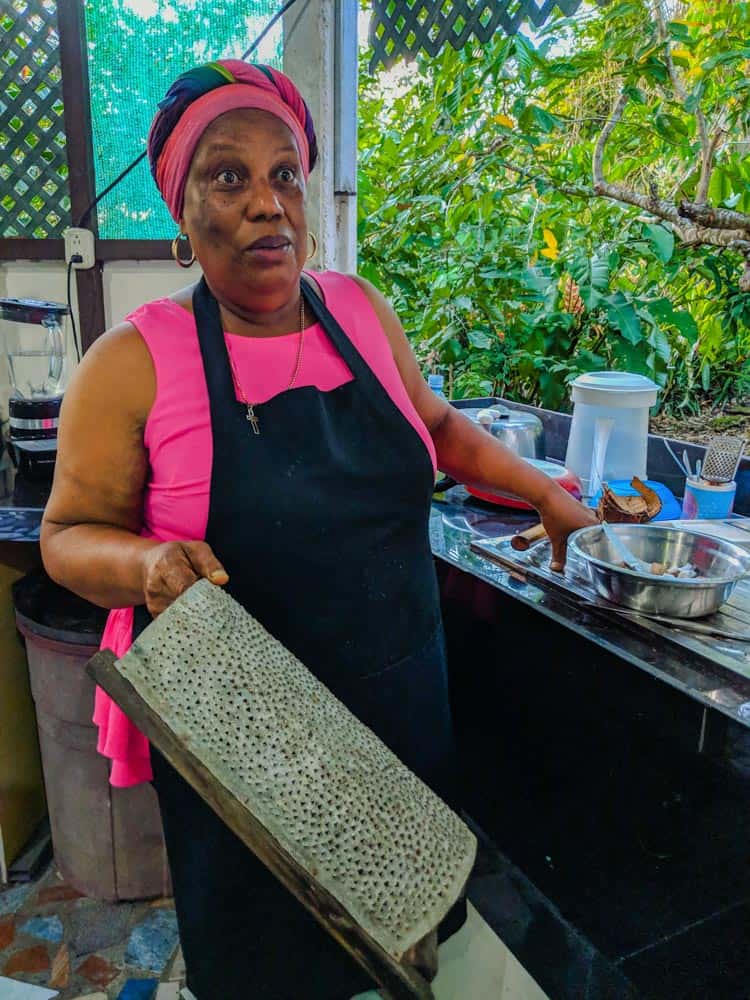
pixel 108 842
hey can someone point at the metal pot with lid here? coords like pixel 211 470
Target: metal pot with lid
pixel 521 432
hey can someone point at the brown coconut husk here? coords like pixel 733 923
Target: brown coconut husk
pixel 629 510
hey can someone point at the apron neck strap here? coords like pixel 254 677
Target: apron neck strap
pixel 214 350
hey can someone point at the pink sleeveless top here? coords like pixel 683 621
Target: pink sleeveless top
pixel 180 448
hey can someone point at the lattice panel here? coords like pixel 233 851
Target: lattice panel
pixel 34 199
pixel 401 28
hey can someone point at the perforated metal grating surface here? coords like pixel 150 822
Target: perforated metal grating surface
pixel 34 197
pixel 401 28
pixel 393 854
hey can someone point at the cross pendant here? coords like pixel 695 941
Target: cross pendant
pixel 252 419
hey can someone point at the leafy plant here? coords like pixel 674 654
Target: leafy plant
pixel 483 216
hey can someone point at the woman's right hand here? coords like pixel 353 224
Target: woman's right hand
pixel 170 568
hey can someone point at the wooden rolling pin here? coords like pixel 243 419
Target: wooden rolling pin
pixel 525 539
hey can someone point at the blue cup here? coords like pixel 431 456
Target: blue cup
pixel 704 500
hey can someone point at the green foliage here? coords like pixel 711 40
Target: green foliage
pixel 478 220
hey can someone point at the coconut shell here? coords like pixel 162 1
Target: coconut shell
pixel 653 501
pixel 629 510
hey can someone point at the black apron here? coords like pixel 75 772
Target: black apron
pixel 321 521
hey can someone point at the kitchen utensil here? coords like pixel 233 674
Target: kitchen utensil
pixel 562 476
pixel 739 523
pixel 722 459
pixel 602 433
pixel 686 462
pixel 290 789
pixel 624 398
pixel 688 624
pixel 525 539
pixel 698 466
pixel 720 566
pixel 710 500
pixel 682 464
pixel 623 553
pixel 518 430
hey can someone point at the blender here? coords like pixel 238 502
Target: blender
pixel 34 336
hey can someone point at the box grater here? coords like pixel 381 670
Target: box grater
pixel 722 459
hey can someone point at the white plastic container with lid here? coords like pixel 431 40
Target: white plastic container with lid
pixel 609 431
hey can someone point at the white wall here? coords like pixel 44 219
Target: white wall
pixel 25 279
pixel 128 284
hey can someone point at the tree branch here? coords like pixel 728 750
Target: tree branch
pixel 666 210
pixel 601 142
pixel 720 227
pixel 708 146
pixel 727 239
pixel 576 190
pixel 714 218
pixel 693 223
pixel 707 167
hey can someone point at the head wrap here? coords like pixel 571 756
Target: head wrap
pixel 199 96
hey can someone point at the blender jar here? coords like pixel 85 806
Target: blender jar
pixel 34 337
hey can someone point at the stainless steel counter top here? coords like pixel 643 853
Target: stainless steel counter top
pixel 710 670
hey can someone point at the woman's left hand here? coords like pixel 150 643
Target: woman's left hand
pixel 562 515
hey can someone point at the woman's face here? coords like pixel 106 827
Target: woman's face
pixel 245 210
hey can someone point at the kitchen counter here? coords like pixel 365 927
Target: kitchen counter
pixel 610 769
pixel 458 520
pixel 22 504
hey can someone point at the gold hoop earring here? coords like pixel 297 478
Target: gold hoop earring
pixel 314 245
pixel 176 250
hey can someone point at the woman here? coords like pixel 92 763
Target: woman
pixel 272 433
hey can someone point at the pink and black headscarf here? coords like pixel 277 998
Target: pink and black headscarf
pixel 199 96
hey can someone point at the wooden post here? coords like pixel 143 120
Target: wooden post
pixel 71 25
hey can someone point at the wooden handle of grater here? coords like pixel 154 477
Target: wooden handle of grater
pixel 525 539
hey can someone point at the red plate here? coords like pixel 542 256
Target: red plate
pixel 564 477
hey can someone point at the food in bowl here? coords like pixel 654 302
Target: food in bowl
pixel 686 572
pixel 719 565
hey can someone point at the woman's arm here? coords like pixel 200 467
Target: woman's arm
pixel 90 541
pixel 469 453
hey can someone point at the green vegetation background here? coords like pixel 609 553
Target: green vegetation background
pixel 478 219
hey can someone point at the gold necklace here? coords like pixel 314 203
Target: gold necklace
pixel 251 416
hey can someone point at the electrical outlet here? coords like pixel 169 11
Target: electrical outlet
pixel 81 242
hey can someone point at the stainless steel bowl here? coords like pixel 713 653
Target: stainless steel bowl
pixel 721 566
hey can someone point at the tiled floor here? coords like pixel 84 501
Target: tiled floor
pixel 56 943
pixel 51 936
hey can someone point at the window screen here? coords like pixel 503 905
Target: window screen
pixel 34 198
pixel 136 48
